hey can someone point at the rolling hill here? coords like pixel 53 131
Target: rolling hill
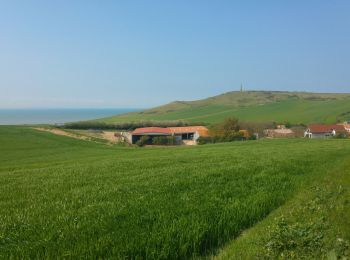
pixel 293 107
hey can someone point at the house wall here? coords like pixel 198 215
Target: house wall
pixel 127 136
pixel 321 135
pixel 279 133
pixel 196 136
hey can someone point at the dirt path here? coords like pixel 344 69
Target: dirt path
pixel 62 132
pixel 109 135
pixel 106 135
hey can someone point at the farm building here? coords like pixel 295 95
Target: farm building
pixel 186 135
pixel 279 133
pixel 323 131
pixel 151 132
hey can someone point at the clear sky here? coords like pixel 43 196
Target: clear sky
pixel 145 53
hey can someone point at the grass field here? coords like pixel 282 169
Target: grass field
pixel 293 107
pixel 64 198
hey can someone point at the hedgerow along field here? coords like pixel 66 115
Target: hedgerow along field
pixel 62 197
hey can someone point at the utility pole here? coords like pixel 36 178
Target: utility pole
pixel 241 88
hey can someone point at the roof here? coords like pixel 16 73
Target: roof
pixel 325 128
pixel 188 129
pixel 201 130
pixel 151 130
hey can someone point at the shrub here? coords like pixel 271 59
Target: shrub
pixel 298 240
pixel 252 137
pixel 164 140
pixel 143 141
pixel 203 140
pixel 341 135
pixel 288 125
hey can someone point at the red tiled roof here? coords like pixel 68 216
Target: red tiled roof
pixel 203 132
pixel 325 128
pixel 151 130
pixel 188 129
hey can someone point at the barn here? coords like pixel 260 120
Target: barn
pixel 323 131
pixel 189 134
pixel 151 132
pixel 184 135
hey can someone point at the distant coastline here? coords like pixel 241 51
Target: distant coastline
pixel 56 115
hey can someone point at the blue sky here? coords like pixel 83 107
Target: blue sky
pixel 145 53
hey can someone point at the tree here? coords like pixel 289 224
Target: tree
pixel 227 130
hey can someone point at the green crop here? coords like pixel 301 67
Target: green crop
pixel 66 198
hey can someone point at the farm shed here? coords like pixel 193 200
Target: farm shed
pixel 151 132
pixel 279 133
pixel 323 131
pixel 186 135
pixel 189 134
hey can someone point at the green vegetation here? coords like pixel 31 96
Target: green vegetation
pixel 226 131
pixel 291 107
pixel 315 224
pixel 123 125
pixel 164 140
pixel 143 141
pixel 67 198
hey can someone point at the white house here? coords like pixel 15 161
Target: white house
pixel 323 131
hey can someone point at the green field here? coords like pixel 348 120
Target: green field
pixel 67 198
pixel 293 107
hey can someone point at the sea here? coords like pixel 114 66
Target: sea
pixel 56 115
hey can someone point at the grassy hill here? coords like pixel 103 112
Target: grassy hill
pixel 294 107
pixel 67 198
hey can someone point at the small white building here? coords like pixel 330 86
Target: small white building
pixel 323 131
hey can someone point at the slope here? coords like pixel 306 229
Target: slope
pixel 294 107
pixel 63 198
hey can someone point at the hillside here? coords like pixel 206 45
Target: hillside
pixel 294 107
pixel 65 198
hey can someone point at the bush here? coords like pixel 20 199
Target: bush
pixel 164 140
pixel 341 135
pixel 298 240
pixel 204 140
pixel 252 137
pixel 143 141
pixel 288 125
